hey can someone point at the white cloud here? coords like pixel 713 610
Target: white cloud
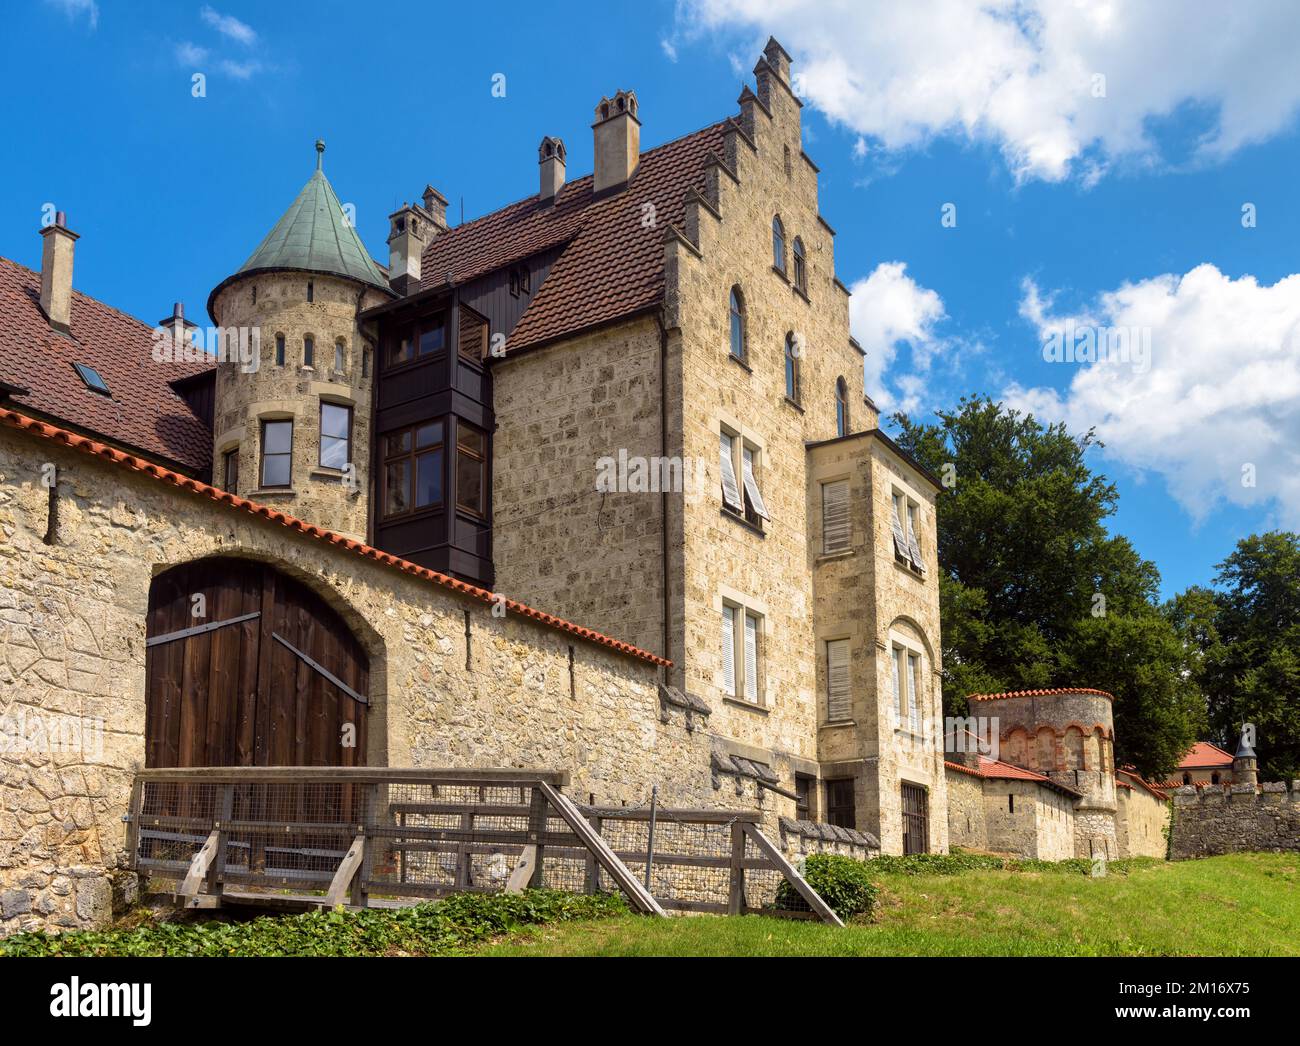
pixel 669 49
pixel 228 25
pixel 1021 73
pixel 240 70
pixel 889 309
pixel 188 53
pixel 1222 391
pixel 76 9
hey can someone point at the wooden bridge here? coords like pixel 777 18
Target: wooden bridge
pixel 296 837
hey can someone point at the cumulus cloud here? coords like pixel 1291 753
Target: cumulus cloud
pixel 188 53
pixel 229 26
pixel 1060 88
pixel 78 9
pixel 1217 414
pixel 887 310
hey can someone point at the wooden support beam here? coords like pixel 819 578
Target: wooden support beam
pixel 341 884
pixel 199 865
pixel 524 870
pixel 795 879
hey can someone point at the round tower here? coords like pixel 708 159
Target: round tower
pixel 1067 735
pixel 1245 764
pixel 293 389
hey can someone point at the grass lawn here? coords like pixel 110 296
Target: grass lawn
pixel 1244 904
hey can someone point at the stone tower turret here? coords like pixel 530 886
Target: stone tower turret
pixel 1245 768
pixel 293 391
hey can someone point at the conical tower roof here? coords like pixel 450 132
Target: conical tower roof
pixel 313 235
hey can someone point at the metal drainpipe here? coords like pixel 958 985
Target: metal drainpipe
pixel 663 494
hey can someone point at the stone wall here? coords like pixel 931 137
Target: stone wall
pixel 1234 819
pixel 72 631
pixel 1141 823
pixel 1040 826
pixel 967 825
pixel 802 838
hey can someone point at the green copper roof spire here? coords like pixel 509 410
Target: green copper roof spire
pixel 315 234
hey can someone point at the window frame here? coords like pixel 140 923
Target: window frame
pixel 340 357
pixel 347 440
pixel 412 455
pixel 230 458
pixel 799 265
pixel 737 326
pixel 742 462
pixel 842 422
pixel 842 646
pixel 778 245
pixel 846 525
pixel 482 459
pixel 309 351
pixel 746 687
pixel 413 333
pixel 262 455
pixel 792 371
pixel 841 797
pixel 279 350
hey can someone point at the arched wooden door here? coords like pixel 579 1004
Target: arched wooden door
pixel 247 667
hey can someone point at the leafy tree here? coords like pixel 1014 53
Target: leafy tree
pixel 1034 591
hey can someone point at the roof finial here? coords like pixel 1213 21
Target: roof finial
pixel 320 152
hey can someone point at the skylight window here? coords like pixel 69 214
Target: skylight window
pixel 92 378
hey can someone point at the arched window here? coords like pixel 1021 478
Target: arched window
pixel 778 244
pixel 1214 777
pixel 308 351
pixel 800 268
pixel 279 350
pixel 737 324
pixel 338 356
pixel 841 407
pixel 1187 778
pixel 311 290
pixel 792 354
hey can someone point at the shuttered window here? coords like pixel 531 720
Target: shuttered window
pixel 897 669
pixel 837 680
pixel 913 691
pixel 730 488
pixel 751 484
pixel 913 545
pixel 751 658
pixel 901 548
pixel 729 651
pixel 836 531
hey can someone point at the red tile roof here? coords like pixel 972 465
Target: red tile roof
pixel 997 770
pixel 1043 693
pixel 1205 756
pixel 143 412
pixel 56 434
pixel 1135 778
pixel 611 265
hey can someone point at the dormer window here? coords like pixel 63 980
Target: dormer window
pixel 519 280
pixel 94 382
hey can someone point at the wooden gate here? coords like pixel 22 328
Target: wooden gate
pixel 247 667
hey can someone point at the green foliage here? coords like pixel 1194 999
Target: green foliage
pixel 842 882
pixel 1024 553
pixel 960 862
pixel 427 929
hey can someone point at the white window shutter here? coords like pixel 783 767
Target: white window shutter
pixel 900 537
pixel 913 681
pixel 837 680
pixel 751 658
pixel 729 651
pixel 837 531
pixel 730 488
pixel 914 546
pixel 751 484
pixel 897 670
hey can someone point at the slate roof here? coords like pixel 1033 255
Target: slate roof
pixel 611 265
pixel 142 411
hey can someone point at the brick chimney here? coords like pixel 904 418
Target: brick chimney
pixel 617 140
pixel 409 231
pixel 435 204
pixel 177 326
pixel 56 273
pixel 550 160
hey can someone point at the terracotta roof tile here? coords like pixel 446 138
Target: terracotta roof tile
pixel 1042 693
pixel 56 434
pixel 1133 777
pixel 142 412
pixel 611 265
pixel 996 770
pixel 1205 756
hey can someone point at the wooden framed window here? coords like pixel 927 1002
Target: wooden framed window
pixel 841 407
pixel 737 324
pixel 335 435
pixel 905 524
pixel 800 266
pixel 277 453
pixel 519 280
pixel 426 339
pixel 792 354
pixel 898 673
pixel 308 351
pixel 230 470
pixel 727 462
pixel 803 794
pixel 742 632
pixel 778 244
pixel 916 819
pixel 471 469
pixel 752 633
pixel 837 528
pixel 473 338
pixel 755 509
pixel 279 350
pixel 413 469
pixel 729 650
pixel 838 703
pixel 840 806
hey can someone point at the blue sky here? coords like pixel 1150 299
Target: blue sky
pixel 1118 209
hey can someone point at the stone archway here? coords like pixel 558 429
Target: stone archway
pixel 245 666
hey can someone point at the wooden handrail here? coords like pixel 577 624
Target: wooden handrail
pixel 489 777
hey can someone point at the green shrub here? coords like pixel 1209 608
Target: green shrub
pixel 842 882
pixel 427 929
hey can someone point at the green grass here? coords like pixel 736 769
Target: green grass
pixel 1244 904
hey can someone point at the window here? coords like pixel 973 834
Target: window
pixel 426 339
pixel 308 351
pixel 519 280
pixel 789 164
pixel 742 632
pixel 1187 778
pixel 803 791
pixel 778 244
pixel 1214 777
pixel 413 471
pixel 908 684
pixel 471 469
pixel 311 290
pixel 335 436
pixel 916 819
pixel 1011 803
pixel 741 496
pixel 730 488
pixel 838 706
pixel 279 350
pixel 277 453
pixel 754 507
pixel 905 524
pixel 839 803
pixel 841 407
pixel 737 325
pixel 338 357
pixel 365 363
pixel 792 354
pixel 230 470
pixel 254 294
pixel 92 378
pixel 800 266
pixel 837 530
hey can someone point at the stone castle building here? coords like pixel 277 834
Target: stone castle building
pixel 630 398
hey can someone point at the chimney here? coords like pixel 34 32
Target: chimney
pixel 409 231
pixel 617 140
pixel 550 158
pixel 435 204
pixel 177 326
pixel 56 273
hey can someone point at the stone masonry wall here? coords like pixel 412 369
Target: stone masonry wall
pixel 967 827
pixel 1235 819
pixel 1141 823
pixel 72 631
